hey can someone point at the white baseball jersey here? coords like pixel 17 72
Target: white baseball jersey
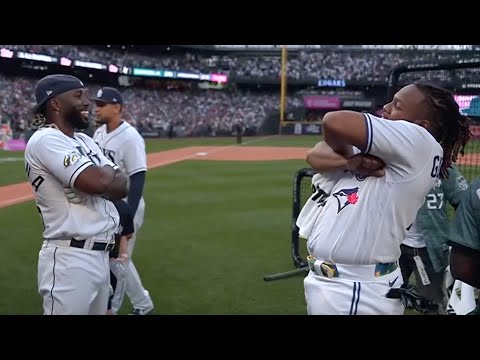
pixel 125 147
pixel 322 185
pixel 53 161
pixel 415 237
pixel 365 219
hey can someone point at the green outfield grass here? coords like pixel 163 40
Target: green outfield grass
pixel 12 172
pixel 154 145
pixel 12 168
pixel 212 231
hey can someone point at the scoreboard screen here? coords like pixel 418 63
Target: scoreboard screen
pixel 469 104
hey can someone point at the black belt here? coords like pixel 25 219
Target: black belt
pixel 101 246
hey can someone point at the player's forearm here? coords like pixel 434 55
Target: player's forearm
pixel 117 189
pixel 123 247
pixel 137 182
pixel 323 158
pixel 100 181
pixel 343 129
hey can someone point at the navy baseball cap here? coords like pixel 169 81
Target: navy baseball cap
pixel 54 85
pixel 109 95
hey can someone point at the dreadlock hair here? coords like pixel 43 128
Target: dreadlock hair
pixel 38 119
pixel 450 127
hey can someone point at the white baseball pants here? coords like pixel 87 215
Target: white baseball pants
pixel 352 294
pixel 73 281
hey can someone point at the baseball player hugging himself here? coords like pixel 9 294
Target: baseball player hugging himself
pixel 73 183
pixel 123 145
pixel 355 244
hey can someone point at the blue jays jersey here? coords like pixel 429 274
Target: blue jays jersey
pixel 365 219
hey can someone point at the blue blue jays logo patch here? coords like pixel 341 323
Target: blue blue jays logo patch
pixel 346 197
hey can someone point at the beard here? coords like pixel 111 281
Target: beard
pixel 75 118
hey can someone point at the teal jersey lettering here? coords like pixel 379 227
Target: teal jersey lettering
pixel 432 223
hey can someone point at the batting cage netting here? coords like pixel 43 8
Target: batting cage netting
pixel 302 190
pixel 462 78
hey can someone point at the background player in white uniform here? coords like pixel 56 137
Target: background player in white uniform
pixel 73 270
pixel 122 144
pixel 119 254
pixel 356 242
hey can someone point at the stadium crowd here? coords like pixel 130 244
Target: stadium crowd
pixel 211 112
pixel 192 112
pixel 372 65
pixel 195 112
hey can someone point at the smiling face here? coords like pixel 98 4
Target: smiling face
pixel 72 106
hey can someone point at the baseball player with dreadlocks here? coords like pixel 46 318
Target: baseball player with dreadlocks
pixel 355 245
pixel 124 146
pixel 72 181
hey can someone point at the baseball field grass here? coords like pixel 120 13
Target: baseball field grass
pixel 12 166
pixel 210 235
pixel 212 231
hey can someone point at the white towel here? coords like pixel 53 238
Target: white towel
pixel 461 296
pixel 323 185
pixel 462 299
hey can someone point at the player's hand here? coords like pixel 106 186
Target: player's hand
pixel 123 258
pixel 72 196
pixel 118 266
pixel 368 165
pixel 372 166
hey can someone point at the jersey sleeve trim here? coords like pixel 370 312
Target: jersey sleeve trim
pixel 369 128
pixel 136 171
pixel 78 172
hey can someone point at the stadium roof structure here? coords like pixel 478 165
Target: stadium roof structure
pixel 372 47
pixel 161 49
